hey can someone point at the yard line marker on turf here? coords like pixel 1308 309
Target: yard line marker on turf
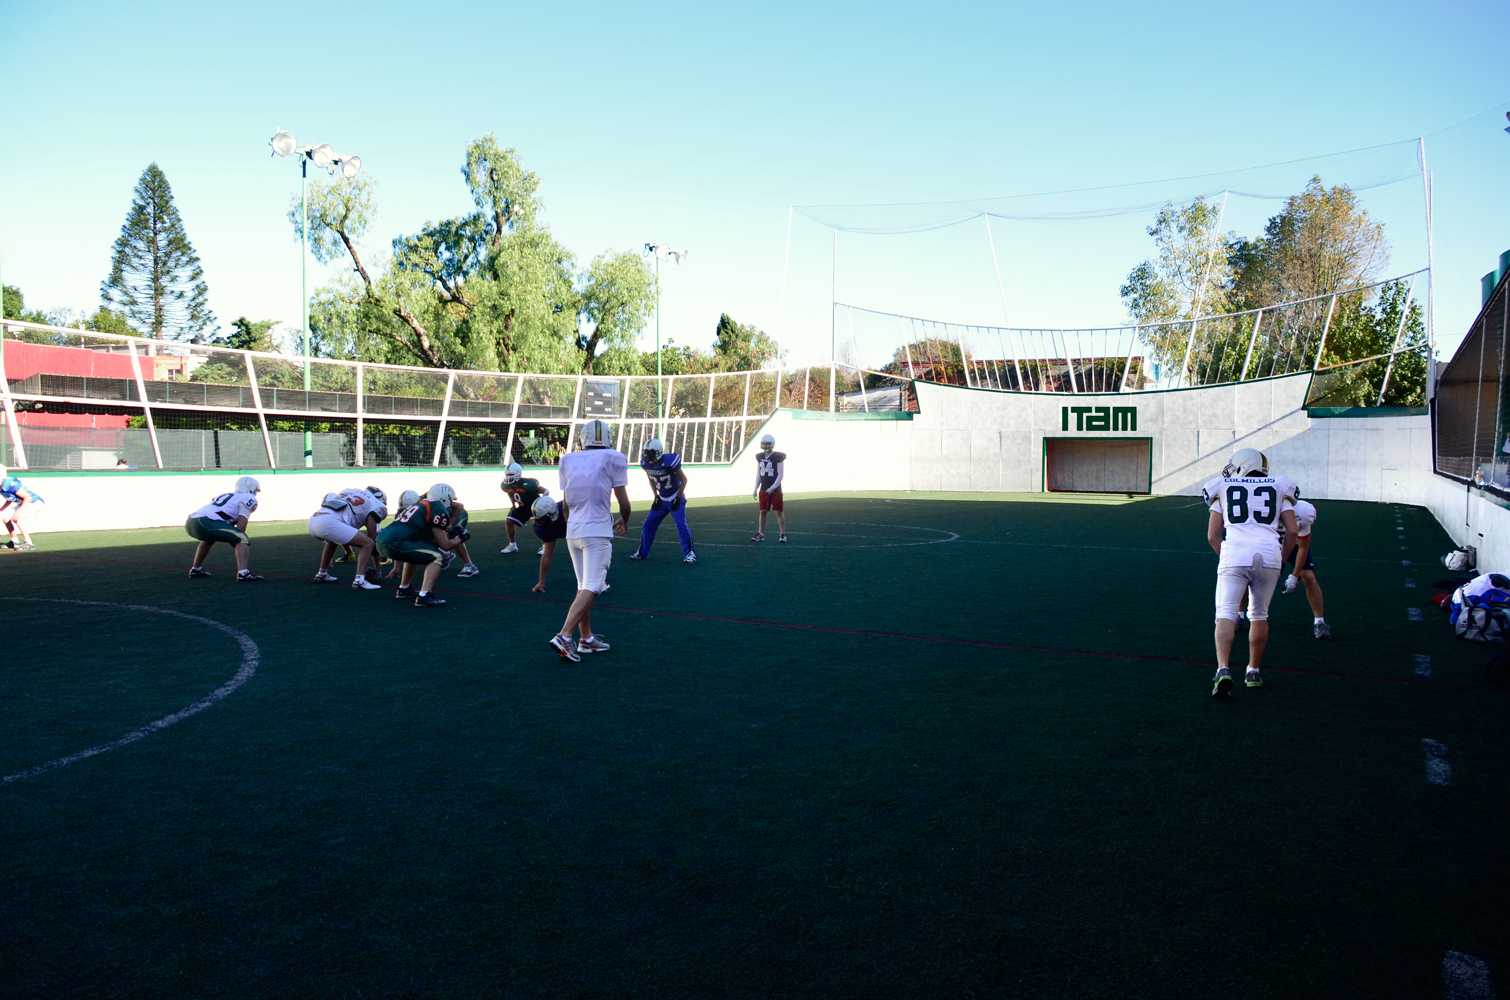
pixel 1438 771
pixel 1466 977
pixel 1423 665
pixel 250 657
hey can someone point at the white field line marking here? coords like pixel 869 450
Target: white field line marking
pixel 1466 977
pixel 250 657
pixel 1413 615
pixel 950 536
pixel 1423 665
pixel 1410 583
pixel 1438 771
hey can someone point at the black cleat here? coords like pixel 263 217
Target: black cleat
pixel 402 592
pixel 428 601
pixel 195 572
pixel 1222 689
pixel 247 576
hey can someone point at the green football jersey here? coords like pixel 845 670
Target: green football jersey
pixel 413 524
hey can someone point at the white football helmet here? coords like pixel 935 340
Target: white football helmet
pixel 408 498
pixel 1245 463
pixel 512 474
pixel 596 434
pixel 441 492
pixel 547 508
pixel 248 484
pixel 653 451
pixel 767 442
pixel 378 495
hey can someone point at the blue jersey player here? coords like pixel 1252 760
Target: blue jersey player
pixel 669 484
pixel 17 502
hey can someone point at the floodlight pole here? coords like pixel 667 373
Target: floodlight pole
pixel 660 408
pixel 309 437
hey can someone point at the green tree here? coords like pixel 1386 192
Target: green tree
pixel 106 320
pixel 741 347
pixel 155 278
pixel 250 335
pixel 1322 241
pixel 1191 275
pixel 617 298
pixel 15 307
pixel 492 290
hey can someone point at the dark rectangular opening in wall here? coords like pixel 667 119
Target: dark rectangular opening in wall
pixel 1097 465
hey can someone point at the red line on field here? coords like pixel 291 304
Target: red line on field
pixel 871 633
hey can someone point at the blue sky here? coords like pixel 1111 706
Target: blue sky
pixel 700 124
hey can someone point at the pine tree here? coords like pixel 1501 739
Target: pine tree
pixel 155 277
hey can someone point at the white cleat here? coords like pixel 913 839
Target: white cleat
pixel 324 576
pixel 690 558
pixel 360 583
pixel 509 549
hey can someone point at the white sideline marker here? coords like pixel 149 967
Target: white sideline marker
pixel 1438 771
pixel 1423 665
pixel 1410 583
pixel 1466 977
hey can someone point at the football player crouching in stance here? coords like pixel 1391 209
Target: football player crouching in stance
pixel 350 518
pixel 418 536
pixel 224 519
pixel 550 528
pixel 668 484
pixel 17 502
pixel 1248 508
pixel 522 494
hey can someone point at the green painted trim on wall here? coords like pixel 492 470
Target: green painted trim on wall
pixel 1327 412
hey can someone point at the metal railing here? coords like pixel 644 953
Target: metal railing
pixel 84 399
pixel 1282 339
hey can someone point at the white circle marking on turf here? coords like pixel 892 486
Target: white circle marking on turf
pixel 951 536
pixel 250 657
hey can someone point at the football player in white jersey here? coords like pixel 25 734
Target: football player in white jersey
pixel 1298 554
pixel 350 517
pixel 224 519
pixel 1248 508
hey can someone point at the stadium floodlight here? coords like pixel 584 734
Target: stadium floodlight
pixel 283 143
pixel 321 155
pixel 659 250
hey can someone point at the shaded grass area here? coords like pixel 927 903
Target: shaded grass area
pixel 827 768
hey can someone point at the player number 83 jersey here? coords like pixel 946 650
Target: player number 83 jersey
pixel 1250 510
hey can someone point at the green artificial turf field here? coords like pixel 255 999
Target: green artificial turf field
pixel 937 745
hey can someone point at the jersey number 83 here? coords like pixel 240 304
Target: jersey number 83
pixel 1238 507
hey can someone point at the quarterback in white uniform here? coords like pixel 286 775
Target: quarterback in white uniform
pixel 350 517
pixel 1248 508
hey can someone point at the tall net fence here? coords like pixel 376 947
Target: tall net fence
pixel 1472 418
pixel 82 400
pixel 1351 325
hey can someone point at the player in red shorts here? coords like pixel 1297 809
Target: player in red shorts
pixel 770 466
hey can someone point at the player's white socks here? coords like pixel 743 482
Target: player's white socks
pixel 1319 621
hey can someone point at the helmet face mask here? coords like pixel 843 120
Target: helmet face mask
pixel 596 434
pixel 653 451
pixel 547 508
pixel 441 493
pixel 1245 463
pixel 512 474
pixel 248 484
